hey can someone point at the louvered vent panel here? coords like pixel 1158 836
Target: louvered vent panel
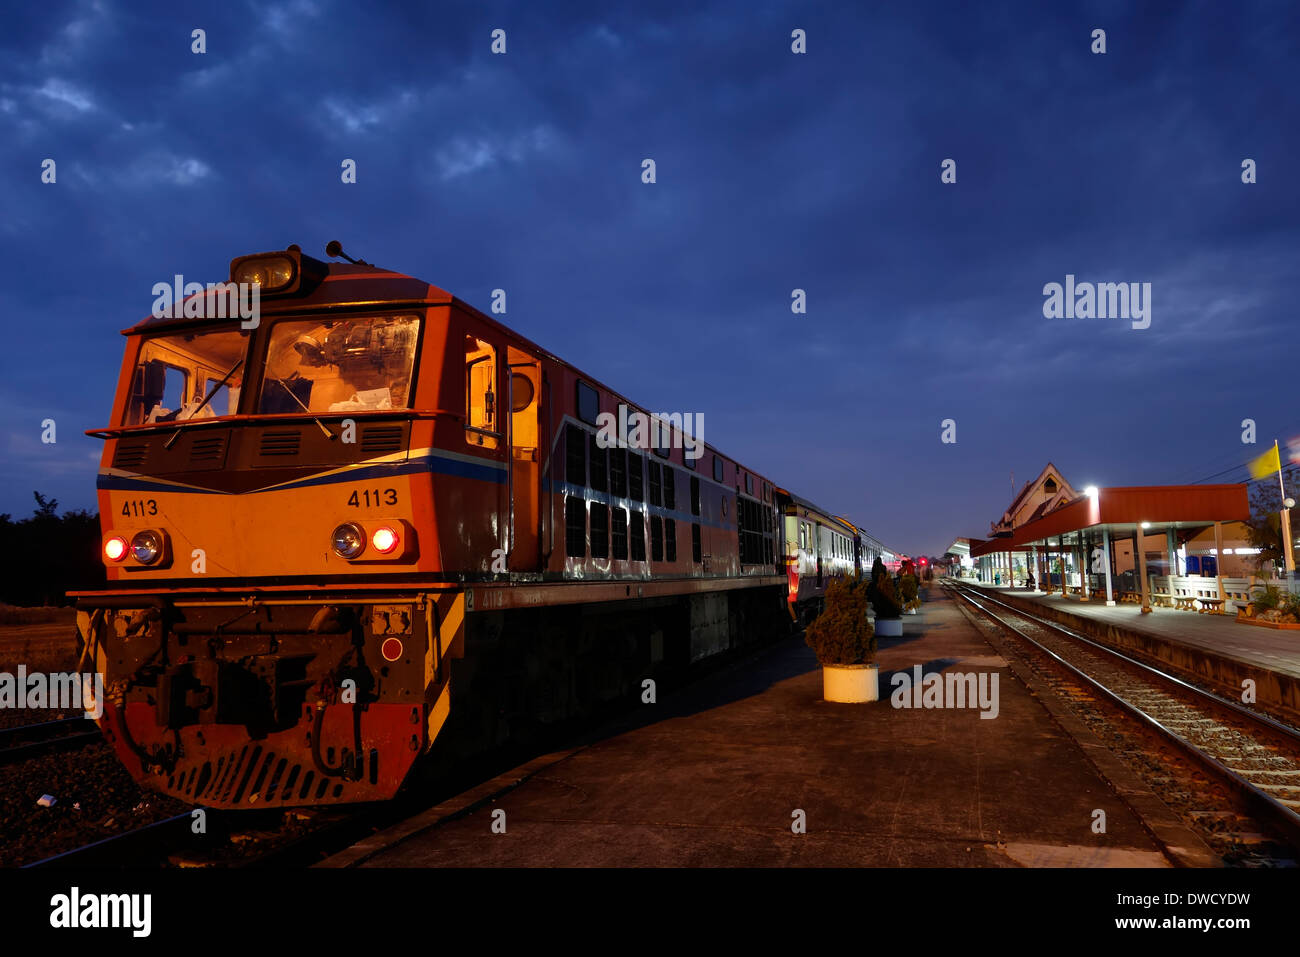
pixel 207 449
pixel 281 442
pixel 381 439
pixel 130 455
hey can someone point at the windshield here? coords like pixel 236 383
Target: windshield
pixel 175 373
pixel 340 365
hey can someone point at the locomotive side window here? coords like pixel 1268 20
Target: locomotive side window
pixel 599 467
pixel 717 469
pixel 176 373
pixel 619 528
pixel 480 396
pixel 618 472
pixel 656 538
pixel 637 528
pixel 575 456
pixel 670 487
pixel 575 527
pixel 696 549
pixel 656 484
pixel 588 403
pixel 599 530
pixel 695 495
pixel 670 540
pixel 635 477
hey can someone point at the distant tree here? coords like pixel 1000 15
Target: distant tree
pixel 46 555
pixel 45 508
pixel 1264 527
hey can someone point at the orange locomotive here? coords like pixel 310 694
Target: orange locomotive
pixel 322 524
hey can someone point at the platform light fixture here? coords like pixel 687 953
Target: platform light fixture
pixel 1090 491
pixel 1146 524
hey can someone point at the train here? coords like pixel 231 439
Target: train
pixel 370 519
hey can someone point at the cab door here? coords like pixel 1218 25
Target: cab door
pixel 524 405
pixel 484 494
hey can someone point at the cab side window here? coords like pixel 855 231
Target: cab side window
pixel 480 394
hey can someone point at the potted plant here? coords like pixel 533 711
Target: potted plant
pixel 845 644
pixel 908 591
pixel 884 601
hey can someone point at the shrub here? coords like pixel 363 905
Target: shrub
pixel 881 593
pixel 841 634
pixel 907 587
pixel 1268 599
pixel 1291 606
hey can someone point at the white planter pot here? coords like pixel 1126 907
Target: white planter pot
pixel 851 684
pixel 889 627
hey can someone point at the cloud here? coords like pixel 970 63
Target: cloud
pixel 162 167
pixel 60 91
pixel 464 156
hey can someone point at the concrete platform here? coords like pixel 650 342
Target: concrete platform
pixel 1212 648
pixel 715 777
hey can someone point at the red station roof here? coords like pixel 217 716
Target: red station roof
pixel 1120 509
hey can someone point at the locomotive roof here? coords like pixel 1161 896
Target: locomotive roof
pixel 343 284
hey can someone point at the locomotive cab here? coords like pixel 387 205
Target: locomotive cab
pixel 263 492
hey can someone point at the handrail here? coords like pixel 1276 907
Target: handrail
pixel 118 431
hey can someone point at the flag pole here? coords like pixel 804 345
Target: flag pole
pixel 1288 555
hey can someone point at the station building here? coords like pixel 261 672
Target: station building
pixel 1118 543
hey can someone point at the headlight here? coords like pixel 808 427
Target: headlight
pixel 269 272
pixel 384 539
pixel 348 540
pixel 146 547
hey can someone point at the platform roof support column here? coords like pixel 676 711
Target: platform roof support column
pixel 1110 588
pixel 1060 544
pixel 1218 557
pixel 1142 569
pixel 1171 546
pixel 1038 572
pixel 1082 552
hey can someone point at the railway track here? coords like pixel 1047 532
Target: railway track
pixel 33 740
pixel 1251 755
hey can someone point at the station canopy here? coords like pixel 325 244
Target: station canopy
pixel 1121 511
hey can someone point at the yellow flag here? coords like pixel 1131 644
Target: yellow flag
pixel 1266 464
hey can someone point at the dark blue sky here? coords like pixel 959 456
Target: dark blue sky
pixel 776 171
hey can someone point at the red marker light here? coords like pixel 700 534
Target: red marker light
pixel 384 539
pixel 391 649
pixel 115 549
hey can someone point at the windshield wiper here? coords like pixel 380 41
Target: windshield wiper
pixel 293 395
pixel 203 405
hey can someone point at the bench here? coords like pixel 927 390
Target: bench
pixel 1245 609
pixel 1210 605
pixel 1185 602
pixel 1164 599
